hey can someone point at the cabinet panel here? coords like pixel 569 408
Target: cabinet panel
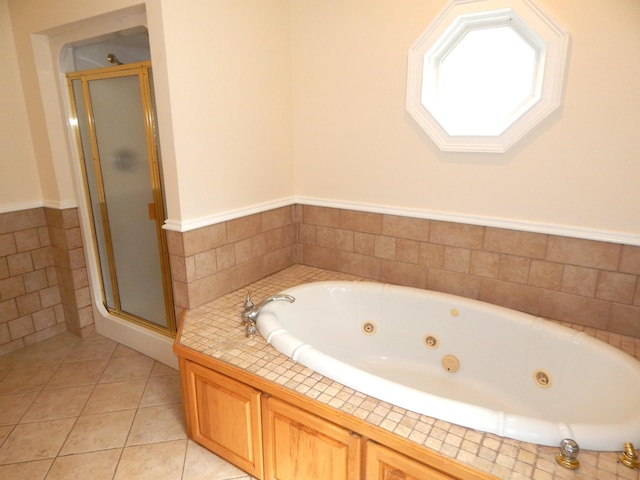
pixel 224 416
pixel 301 445
pixel 386 464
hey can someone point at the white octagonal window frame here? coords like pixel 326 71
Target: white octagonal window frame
pixel 541 41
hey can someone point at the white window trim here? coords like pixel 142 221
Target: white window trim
pixel 442 33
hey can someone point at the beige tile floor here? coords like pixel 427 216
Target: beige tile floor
pixel 91 408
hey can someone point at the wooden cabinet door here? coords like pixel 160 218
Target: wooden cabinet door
pixel 223 415
pixel 386 464
pixel 299 445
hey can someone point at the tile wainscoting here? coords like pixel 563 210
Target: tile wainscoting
pixel 44 287
pixel 585 282
pixel 212 261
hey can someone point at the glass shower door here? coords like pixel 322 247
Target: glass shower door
pixel 115 123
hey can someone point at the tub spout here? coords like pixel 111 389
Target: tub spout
pixel 250 316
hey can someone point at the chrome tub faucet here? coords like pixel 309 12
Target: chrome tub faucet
pixel 251 311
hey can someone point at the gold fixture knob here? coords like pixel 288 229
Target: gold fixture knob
pixel 629 457
pixel 568 456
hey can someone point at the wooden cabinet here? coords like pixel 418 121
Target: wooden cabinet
pixel 270 438
pixel 223 415
pixel 298 444
pixel 385 464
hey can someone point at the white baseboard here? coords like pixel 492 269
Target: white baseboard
pixel 150 343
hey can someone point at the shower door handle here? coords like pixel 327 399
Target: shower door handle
pixel 152 211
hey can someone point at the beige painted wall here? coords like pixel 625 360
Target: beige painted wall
pixel 49 136
pixel 19 180
pixel 223 76
pixel 354 142
pixel 229 80
pixel 234 136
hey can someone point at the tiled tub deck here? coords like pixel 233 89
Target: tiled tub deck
pixel 214 329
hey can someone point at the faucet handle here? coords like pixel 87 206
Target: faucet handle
pixel 248 303
pixel 629 457
pixel 568 456
pixel 250 330
pixel 247 307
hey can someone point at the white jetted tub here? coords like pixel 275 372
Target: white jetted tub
pixel 463 361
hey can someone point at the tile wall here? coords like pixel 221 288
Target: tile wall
pixel 68 254
pixel 44 286
pixel 43 281
pixel 212 261
pixel 585 282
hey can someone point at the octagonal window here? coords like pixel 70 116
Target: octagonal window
pixel 483 83
pixel 479 80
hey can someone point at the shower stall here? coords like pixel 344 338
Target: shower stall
pixel 114 120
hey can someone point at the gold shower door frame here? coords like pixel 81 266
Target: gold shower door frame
pixel 156 209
